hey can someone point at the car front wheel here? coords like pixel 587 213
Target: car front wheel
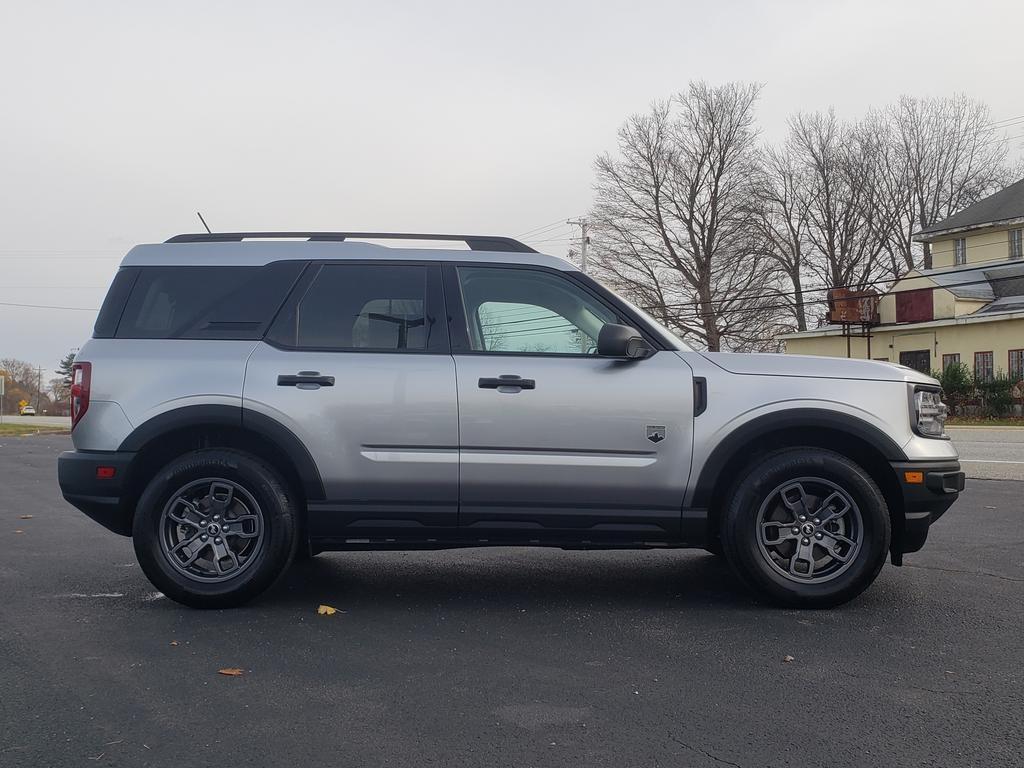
pixel 215 528
pixel 807 527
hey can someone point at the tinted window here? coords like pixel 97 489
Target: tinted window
pixel 520 310
pixel 361 306
pixel 205 302
pixel 113 303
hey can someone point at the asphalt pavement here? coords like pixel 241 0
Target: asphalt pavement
pixel 504 657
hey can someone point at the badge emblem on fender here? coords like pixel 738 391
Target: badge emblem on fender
pixel 655 432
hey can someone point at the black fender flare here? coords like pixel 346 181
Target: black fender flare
pixel 240 418
pixel 743 436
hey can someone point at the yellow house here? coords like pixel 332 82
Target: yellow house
pixel 968 307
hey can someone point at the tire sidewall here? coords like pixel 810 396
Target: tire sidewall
pixel 279 525
pixel 739 526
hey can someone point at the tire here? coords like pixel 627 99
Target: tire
pixel 230 514
pixel 824 560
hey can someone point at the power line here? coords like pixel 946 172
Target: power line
pixel 46 306
pixel 536 230
pixel 1006 120
pixel 882 281
pixel 695 305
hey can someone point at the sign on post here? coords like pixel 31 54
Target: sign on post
pixel 846 307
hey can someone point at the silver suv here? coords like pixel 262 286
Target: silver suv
pixel 248 398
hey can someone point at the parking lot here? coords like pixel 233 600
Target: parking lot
pixel 505 657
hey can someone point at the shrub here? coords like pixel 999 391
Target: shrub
pixel 958 386
pixel 996 395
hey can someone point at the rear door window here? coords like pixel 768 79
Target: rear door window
pixel 362 307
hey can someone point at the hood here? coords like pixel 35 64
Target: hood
pixel 812 366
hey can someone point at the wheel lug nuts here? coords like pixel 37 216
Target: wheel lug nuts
pixel 796 530
pixel 805 542
pixel 204 537
pixel 227 527
pixel 817 535
pixel 217 540
pixel 816 521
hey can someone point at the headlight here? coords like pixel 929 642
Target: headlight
pixel 929 413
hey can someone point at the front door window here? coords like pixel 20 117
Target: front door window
pixel 529 311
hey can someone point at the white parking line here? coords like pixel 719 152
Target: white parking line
pixel 988 461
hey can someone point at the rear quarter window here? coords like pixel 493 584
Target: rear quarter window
pixel 170 302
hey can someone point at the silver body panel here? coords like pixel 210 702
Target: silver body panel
pixel 574 454
pixel 149 377
pixel 384 437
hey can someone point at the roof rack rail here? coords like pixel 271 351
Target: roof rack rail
pixel 475 242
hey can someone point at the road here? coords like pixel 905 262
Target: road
pixel 990 453
pixel 511 657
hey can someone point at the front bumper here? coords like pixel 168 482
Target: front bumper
pixel 99 497
pixel 928 489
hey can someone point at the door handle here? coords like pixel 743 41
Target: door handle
pixel 305 380
pixel 507 380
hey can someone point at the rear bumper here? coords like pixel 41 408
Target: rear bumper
pixel 101 498
pixel 924 502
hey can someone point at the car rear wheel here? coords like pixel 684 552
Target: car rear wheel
pixel 807 527
pixel 215 528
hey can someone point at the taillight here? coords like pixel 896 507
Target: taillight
pixel 81 377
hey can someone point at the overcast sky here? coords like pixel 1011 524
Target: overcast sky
pixel 120 119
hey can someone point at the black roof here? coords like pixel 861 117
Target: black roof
pixel 475 242
pixel 1005 205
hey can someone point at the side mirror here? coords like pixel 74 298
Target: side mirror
pixel 622 342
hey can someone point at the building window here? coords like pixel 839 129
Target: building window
pixel 1016 367
pixel 1016 246
pixel 948 360
pixel 915 306
pixel 960 251
pixel 983 366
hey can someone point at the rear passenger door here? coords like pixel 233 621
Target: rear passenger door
pixel 358 366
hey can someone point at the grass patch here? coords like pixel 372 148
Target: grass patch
pixel 17 430
pixel 968 422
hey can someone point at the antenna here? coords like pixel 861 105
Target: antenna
pixel 204 222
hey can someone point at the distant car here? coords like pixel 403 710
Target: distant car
pixel 244 402
pixel 28 410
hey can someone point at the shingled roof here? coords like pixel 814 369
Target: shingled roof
pixel 1004 207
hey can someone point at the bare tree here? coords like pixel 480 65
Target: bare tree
pixel 672 218
pixel 845 228
pixel 780 215
pixel 944 154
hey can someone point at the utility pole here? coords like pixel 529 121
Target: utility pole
pixel 39 386
pixel 584 226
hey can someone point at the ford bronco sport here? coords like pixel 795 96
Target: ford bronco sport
pixel 244 401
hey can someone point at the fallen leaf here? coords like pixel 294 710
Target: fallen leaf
pixel 19 531
pixel 29 517
pixel 788 659
pixel 326 610
pixel 174 642
pixel 231 672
